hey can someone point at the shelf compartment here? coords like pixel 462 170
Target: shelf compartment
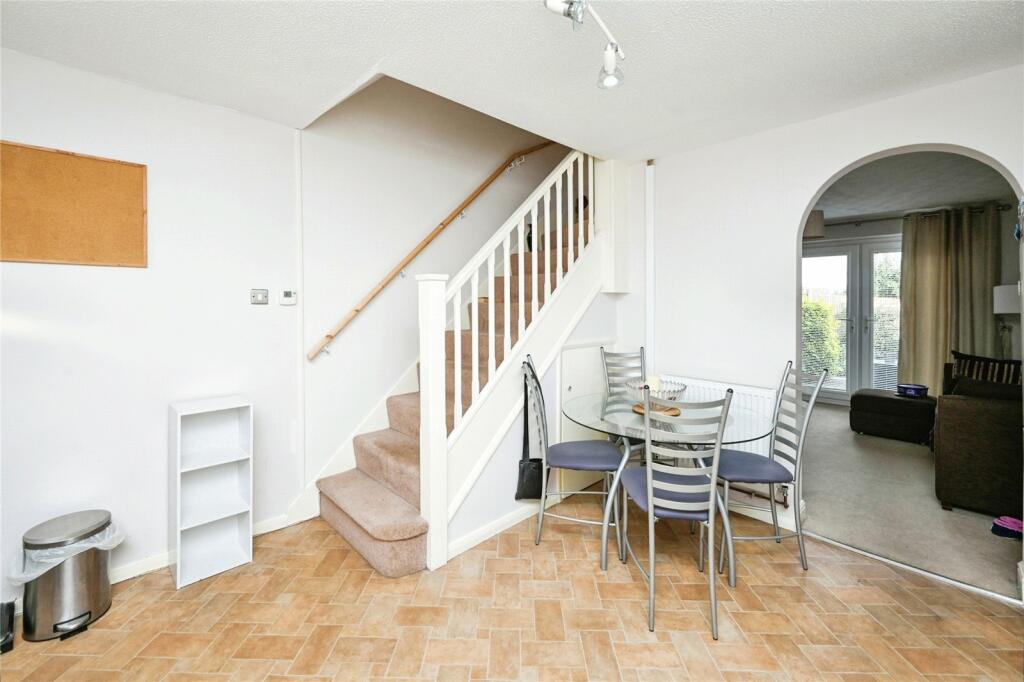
pixel 211 456
pixel 214 548
pixel 206 436
pixel 213 493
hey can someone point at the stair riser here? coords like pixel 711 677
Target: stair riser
pixel 551 255
pixel 383 467
pixel 392 559
pixel 499 315
pixel 565 237
pixel 526 282
pixel 404 417
pixel 484 349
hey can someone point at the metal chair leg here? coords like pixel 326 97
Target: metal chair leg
pixel 623 557
pixel 728 544
pixel 775 513
pixel 712 580
pixel 700 552
pixel 543 501
pixel 799 527
pixel 725 513
pixel 616 516
pixel 650 571
pixel 608 512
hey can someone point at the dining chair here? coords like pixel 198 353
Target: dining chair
pixel 581 455
pixel 619 369
pixel 684 490
pixel 784 463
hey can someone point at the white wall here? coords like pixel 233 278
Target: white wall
pixel 728 216
pixel 91 356
pixel 429 153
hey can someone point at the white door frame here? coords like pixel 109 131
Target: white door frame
pixel 859 252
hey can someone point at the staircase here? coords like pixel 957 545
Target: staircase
pixel 376 506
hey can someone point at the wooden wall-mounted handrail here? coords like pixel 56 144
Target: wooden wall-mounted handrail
pixel 330 335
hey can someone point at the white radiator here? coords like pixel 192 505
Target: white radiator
pixel 753 398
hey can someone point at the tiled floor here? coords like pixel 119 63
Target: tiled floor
pixel 309 608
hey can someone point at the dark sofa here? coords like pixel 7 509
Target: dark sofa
pixel 979 448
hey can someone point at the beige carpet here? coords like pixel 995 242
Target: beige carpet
pixel 878 495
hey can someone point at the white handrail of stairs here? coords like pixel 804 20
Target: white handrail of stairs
pixel 557 205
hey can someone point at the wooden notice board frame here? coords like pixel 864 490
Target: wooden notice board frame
pixel 62 207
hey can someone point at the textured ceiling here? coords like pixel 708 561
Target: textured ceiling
pixel 697 72
pixel 907 182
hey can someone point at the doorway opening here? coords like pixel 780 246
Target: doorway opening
pixel 901 262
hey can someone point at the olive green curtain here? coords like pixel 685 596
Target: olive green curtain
pixel 950 264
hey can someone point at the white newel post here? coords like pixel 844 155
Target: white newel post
pixel 433 428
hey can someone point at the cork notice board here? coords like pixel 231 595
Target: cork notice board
pixel 60 207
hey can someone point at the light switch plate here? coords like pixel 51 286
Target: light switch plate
pixel 259 296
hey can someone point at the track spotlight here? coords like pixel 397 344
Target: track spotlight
pixel 611 74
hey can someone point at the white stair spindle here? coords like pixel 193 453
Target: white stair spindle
pixel 474 323
pixel 522 280
pixel 558 227
pixel 492 304
pixel 579 200
pixel 457 356
pixel 547 246
pixel 590 183
pixel 507 340
pixel 571 230
pixel 534 238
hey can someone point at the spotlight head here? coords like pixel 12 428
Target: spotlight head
pixel 610 75
pixel 574 9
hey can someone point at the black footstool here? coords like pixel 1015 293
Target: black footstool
pixel 882 413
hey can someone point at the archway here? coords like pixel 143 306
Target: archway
pixel 859 244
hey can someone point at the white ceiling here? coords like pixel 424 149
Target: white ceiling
pixel 907 182
pixel 696 72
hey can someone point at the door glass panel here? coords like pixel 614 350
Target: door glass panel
pixel 885 327
pixel 825 319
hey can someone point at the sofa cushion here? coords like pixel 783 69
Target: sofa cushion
pixel 986 389
pixel 986 369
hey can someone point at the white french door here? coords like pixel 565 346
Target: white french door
pixel 850 314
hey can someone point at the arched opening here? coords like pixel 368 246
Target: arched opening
pixel 906 256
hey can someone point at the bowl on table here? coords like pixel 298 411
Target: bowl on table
pixel 661 388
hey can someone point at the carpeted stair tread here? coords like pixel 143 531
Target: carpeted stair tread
pixel 392 458
pixel 378 511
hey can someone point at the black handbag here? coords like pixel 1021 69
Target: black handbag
pixel 531 469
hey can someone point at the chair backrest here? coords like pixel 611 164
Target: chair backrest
pixel 705 421
pixel 792 417
pixel 534 409
pixel 620 368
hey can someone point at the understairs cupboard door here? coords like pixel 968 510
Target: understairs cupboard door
pixel 580 372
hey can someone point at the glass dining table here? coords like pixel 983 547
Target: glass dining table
pixel 621 415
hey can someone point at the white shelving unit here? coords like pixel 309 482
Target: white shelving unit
pixel 210 487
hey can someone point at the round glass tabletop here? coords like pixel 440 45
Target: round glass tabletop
pixel 616 417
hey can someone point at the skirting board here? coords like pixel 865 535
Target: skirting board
pixel 498 525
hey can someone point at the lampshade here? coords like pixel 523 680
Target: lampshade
pixel 1005 300
pixel 815 227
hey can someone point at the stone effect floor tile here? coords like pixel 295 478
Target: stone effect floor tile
pixel 309 608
